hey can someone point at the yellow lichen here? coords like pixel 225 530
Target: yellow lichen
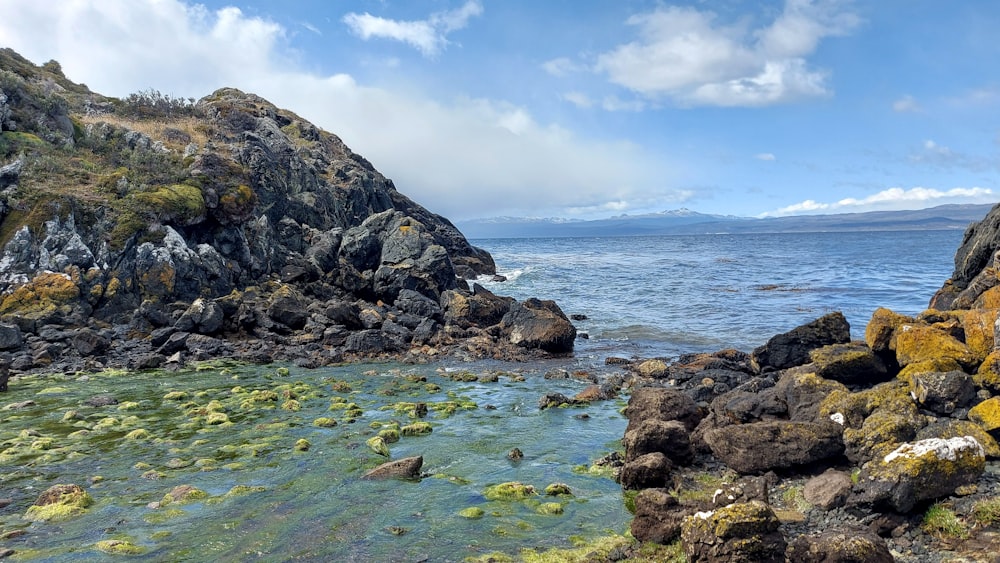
pixel 986 414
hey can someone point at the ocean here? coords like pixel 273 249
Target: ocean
pixel 667 295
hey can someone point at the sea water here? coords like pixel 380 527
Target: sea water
pixel 267 498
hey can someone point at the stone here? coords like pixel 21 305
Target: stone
pixel 59 502
pixel 762 446
pixel 979 245
pixel 987 376
pixel 875 420
pixel 10 337
pixel 658 516
pixel 669 437
pixel 646 471
pixel 803 391
pixel 538 324
pixel 950 428
pixel 89 343
pixel 880 330
pixel 202 317
pixel 660 403
pixel 550 400
pixel 853 363
pixel 942 392
pixel 406 468
pixel 978 330
pixel 481 308
pixel 987 415
pixel 793 347
pixel 741 532
pixel 288 308
pixel 828 490
pixel 922 470
pixel 916 343
pixel 839 546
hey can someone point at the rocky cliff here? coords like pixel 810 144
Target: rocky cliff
pixel 135 229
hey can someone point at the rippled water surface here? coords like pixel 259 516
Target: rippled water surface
pixel 674 294
pixel 305 505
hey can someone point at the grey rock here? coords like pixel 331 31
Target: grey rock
pixel 10 337
pixel 943 392
pixel 839 546
pixel 739 532
pixel 406 468
pixel 792 348
pixel 758 447
pixel 539 324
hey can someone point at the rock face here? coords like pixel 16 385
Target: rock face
pixel 975 263
pixel 231 218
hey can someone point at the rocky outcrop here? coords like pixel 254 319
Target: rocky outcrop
pixel 975 266
pixel 229 218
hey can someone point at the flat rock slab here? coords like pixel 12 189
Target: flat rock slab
pixel 406 468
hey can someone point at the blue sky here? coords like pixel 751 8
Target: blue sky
pixel 586 109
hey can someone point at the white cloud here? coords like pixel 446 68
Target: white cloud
pixel 765 156
pixel 562 66
pixel 459 157
pixel 890 199
pixel 906 104
pixel 685 55
pixel 578 99
pixel 429 36
pixel 934 154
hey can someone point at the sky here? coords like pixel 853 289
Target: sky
pixel 583 108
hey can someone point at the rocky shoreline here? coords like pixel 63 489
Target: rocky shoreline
pixel 816 448
pixel 151 231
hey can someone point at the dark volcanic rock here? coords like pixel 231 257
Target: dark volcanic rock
pixel 670 438
pixel 646 471
pixel 660 403
pixel 539 324
pixel 761 446
pixel 658 516
pixel 739 532
pixel 793 347
pixel 976 253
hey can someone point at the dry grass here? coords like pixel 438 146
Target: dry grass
pixel 156 129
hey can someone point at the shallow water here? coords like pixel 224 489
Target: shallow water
pixel 311 504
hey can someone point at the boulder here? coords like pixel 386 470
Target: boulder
pixel 916 343
pixel 758 447
pixel 828 490
pixel 658 516
pixel 975 254
pixel 881 328
pixel 288 307
pixel 793 347
pixel 660 403
pixel 10 337
pixel 59 502
pixel 853 363
pixel 538 324
pixel 90 343
pixel 942 392
pixel 803 391
pixel 741 532
pixel 839 546
pixel 203 316
pixel 922 470
pixel 987 415
pixel 950 428
pixel 875 420
pixel 646 471
pixel 671 438
pixel 481 308
pixel 978 329
pixel 406 468
pixel 988 375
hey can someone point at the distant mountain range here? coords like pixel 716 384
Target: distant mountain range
pixel 685 221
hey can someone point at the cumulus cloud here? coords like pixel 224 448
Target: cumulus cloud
pixel 429 36
pixel 688 56
pixel 906 104
pixel 460 157
pixel 890 199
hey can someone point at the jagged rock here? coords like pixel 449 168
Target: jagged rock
pixel 875 420
pixel 659 403
pixel 942 392
pixel 538 324
pixel 203 317
pixel 839 546
pixel 880 329
pixel 553 399
pixel 288 307
pixel 406 468
pixel 758 447
pixel 828 490
pixel 742 532
pixel 658 516
pixel 646 471
pixel 670 438
pixel 976 252
pixel 921 470
pixel 746 489
pixel 793 347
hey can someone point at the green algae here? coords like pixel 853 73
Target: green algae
pixel 59 502
pixel 302 445
pixel 511 490
pixel 378 445
pixel 550 508
pixel 416 429
pixel 119 547
pixel 472 513
pixel 324 422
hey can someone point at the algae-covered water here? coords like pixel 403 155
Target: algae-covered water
pixel 275 482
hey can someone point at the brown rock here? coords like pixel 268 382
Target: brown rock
pixel 406 468
pixel 828 490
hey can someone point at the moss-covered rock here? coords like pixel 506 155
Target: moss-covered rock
pixel 917 343
pixel 739 532
pixel 875 420
pixel 882 327
pixel 472 513
pixel 119 547
pixel 47 295
pixel 988 375
pixel 921 470
pixel 550 508
pixel 378 445
pixel 947 428
pixel 927 366
pixel 511 490
pixel 183 494
pixel 416 429
pixel 987 415
pixel 978 327
pixel 59 502
pixel 853 363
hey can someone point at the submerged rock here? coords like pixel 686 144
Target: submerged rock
pixel 59 502
pixel 406 468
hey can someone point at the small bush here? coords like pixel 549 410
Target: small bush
pixel 942 522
